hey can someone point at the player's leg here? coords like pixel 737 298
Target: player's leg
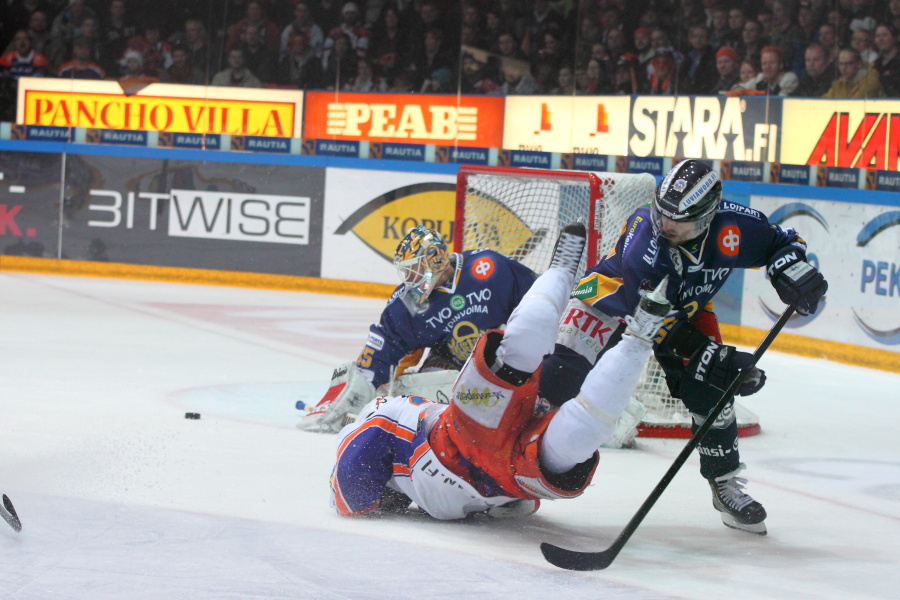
pixel 584 423
pixel 720 459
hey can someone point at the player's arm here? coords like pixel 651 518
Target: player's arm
pixel 363 468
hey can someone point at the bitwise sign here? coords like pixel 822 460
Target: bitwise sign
pixel 159 107
pixel 475 121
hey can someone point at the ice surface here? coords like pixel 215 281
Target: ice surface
pixel 122 497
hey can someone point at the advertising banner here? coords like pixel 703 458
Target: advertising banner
pixel 855 247
pixel 570 124
pixel 196 109
pixel 367 213
pixel 30 203
pixel 208 215
pixel 707 127
pixel 861 134
pixel 405 118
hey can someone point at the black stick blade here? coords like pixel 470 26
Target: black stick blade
pixel 10 515
pixel 578 561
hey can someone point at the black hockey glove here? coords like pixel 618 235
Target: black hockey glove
pixel 797 282
pixel 712 369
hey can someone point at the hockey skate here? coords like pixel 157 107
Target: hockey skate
pixel 739 510
pixel 569 248
pixel 650 313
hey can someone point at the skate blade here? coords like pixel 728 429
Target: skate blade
pixel 757 528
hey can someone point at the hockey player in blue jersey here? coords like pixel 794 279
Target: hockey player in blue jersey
pixel 696 239
pixel 444 303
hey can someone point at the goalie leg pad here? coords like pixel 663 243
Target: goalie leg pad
pixel 349 391
pixel 434 385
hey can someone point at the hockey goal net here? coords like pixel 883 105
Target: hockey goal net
pixel 519 212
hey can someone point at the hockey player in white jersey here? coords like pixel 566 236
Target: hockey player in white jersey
pixel 491 450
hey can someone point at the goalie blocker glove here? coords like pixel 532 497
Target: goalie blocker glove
pixel 798 283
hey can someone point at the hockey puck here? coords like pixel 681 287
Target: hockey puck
pixel 191 415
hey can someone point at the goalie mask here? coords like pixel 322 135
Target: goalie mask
pixel 421 259
pixel 685 202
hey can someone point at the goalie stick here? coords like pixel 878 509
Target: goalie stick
pixel 8 512
pixel 594 561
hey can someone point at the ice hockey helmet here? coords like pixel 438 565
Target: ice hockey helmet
pixel 421 258
pixel 689 193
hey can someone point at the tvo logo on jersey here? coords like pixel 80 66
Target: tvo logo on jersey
pixel 214 215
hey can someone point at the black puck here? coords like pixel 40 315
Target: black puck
pixel 191 415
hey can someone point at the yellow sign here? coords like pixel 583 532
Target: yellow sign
pixel 584 125
pixel 862 134
pixel 160 107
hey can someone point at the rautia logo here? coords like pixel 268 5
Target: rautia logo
pixel 213 215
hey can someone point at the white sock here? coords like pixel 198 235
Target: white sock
pixel 582 424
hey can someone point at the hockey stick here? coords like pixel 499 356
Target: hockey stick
pixel 593 561
pixel 8 512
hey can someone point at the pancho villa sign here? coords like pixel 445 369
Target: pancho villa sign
pixel 159 107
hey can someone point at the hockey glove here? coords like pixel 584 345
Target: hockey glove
pixel 797 282
pixel 712 369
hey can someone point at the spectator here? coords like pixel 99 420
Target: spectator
pixel 401 84
pixel 697 74
pixel 861 41
pixel 806 23
pixel 661 75
pixel 198 49
pixel 625 75
pixel 728 66
pixel 829 41
pixel 81 66
pixel 543 18
pixel 156 51
pixel 181 70
pixel 893 18
pixel 116 31
pixel 352 27
pixel 434 57
pixel 565 82
pixel 588 35
pixel 38 30
pixel 66 22
pixel 785 33
pixel 750 75
pixel 512 17
pixel 508 47
pixel 517 80
pixel 237 74
pixel 597 81
pixel 752 41
pixel 268 30
pixel 22 60
pixel 303 24
pixel 259 59
pixel 365 79
pixel 887 65
pixel 776 80
pixel 856 80
pixel 818 75
pixel 475 77
pixel 736 21
pixel 644 51
pixel 440 81
pixel 720 34
pixel 339 64
pixel 301 67
pixel 548 61
pixel 388 45
pixel 59 49
pixel 327 13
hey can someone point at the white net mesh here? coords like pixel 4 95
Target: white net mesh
pixel 519 212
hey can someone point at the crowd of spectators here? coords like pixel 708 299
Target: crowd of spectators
pixel 811 48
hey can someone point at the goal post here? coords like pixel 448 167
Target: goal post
pixel 519 213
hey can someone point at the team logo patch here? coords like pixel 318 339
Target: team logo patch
pixel 457 302
pixel 730 240
pixel 679 185
pixel 483 268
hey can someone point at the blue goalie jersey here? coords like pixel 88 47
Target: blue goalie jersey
pixel 738 237
pixel 482 293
